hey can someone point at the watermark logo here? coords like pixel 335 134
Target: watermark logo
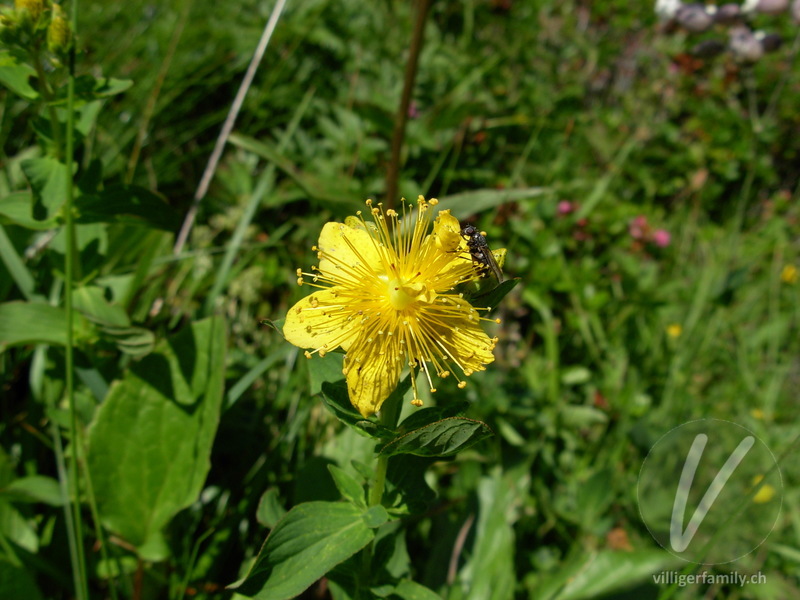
pixel 710 491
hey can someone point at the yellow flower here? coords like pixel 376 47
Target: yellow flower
pixel 674 330
pixel 388 299
pixel 789 274
pixel 765 493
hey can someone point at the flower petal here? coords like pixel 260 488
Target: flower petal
pixel 352 247
pixel 318 321
pixel 372 375
pixel 448 231
pixel 464 341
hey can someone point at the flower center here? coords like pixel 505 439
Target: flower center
pixel 402 294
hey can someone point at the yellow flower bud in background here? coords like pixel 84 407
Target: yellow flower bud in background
pixel 29 11
pixel 58 33
pixel 789 274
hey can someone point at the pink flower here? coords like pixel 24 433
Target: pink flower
pixel 565 207
pixel 661 238
pixel 638 227
pixel 413 113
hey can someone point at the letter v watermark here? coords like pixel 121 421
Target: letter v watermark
pixel 678 539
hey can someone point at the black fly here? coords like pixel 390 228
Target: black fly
pixel 482 256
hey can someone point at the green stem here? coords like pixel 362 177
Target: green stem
pixel 48 97
pixel 389 415
pixel 393 172
pixel 81 586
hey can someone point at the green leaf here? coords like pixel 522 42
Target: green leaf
pixel 113 322
pixel 131 205
pixel 492 298
pixel 150 443
pixel 90 300
pixel 332 191
pixel 324 368
pixel 33 323
pixel 337 401
pixel 48 179
pixel 442 438
pixel 307 543
pixel 17 209
pixel 426 416
pixel 14 75
pixel 470 203
pixel 88 88
pixel 17 582
pixel 16 528
pixel 270 510
pixel 601 573
pixel 410 590
pixel 34 488
pixel 348 486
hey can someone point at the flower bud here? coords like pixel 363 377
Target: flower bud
pixel 58 33
pixel 694 18
pixel 744 45
pixel 29 11
pixel 727 14
pixel 772 7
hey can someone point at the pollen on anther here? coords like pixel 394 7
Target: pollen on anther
pixel 462 385
pixel 307 354
pixel 416 402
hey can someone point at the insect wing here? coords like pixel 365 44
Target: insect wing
pixel 492 264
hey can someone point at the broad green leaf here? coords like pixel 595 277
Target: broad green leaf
pixel 338 402
pixel 470 203
pixel 15 75
pixel 90 300
pixel 307 543
pixel 20 274
pixel 16 528
pixel 601 573
pixel 410 590
pixel 425 416
pixel 270 510
pixel 441 438
pixel 127 204
pixel 150 442
pixel 348 486
pixel 492 298
pixel 33 323
pixel 17 582
pixel 34 488
pixel 48 180
pixel 113 322
pixel 17 209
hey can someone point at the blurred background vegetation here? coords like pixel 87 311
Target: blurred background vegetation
pixel 648 200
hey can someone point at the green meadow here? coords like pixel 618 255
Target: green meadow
pixel 161 439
